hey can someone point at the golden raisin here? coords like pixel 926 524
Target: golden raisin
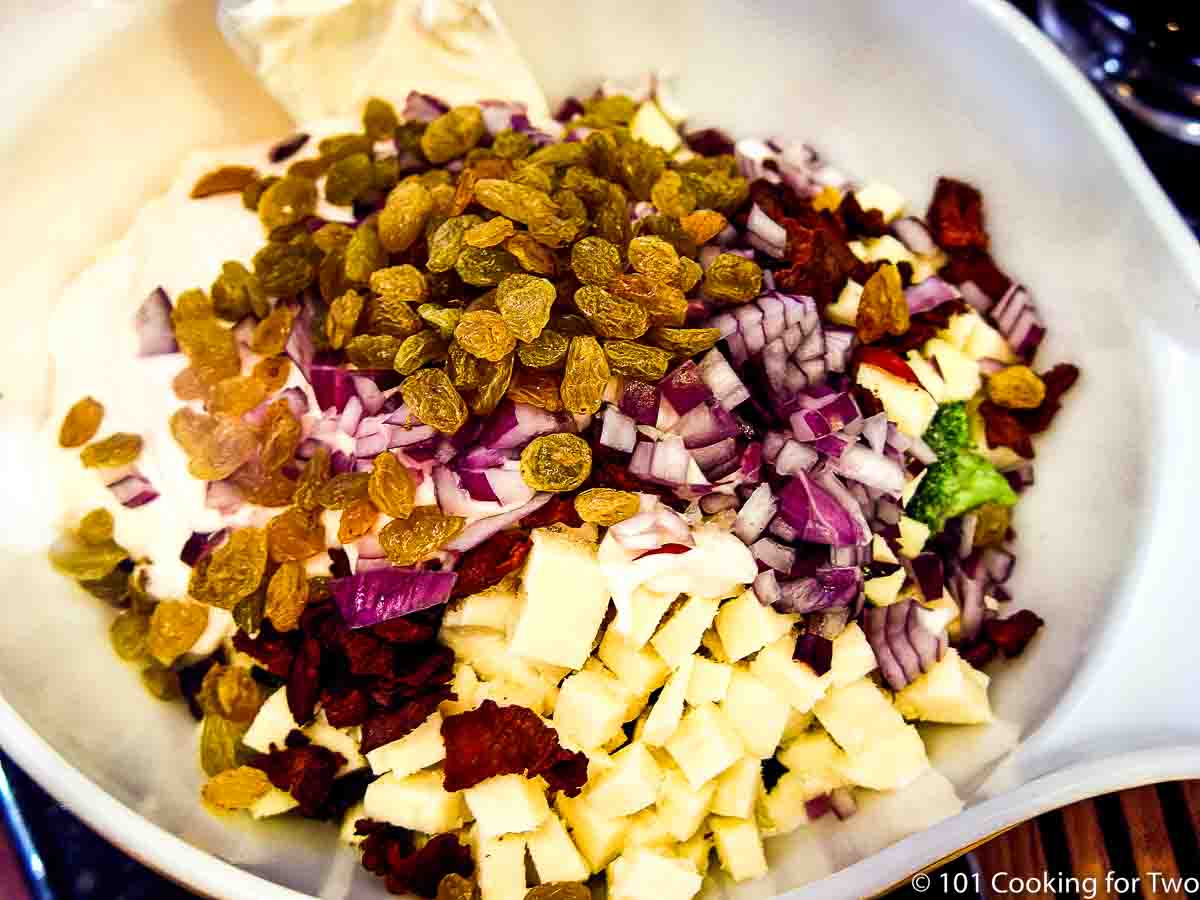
pixel 1016 387
pixel 356 520
pixel 287 595
pixel 81 423
pixel 119 449
pixel 236 789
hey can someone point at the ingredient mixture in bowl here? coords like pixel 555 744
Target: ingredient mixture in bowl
pixel 587 490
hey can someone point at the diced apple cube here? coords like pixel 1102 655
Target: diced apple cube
pixel 271 725
pixel 739 847
pixel 668 708
pixel 887 249
pixel 958 329
pixel 644 874
pixel 796 682
pixel 500 865
pixel 885 590
pixel 960 373
pixel 466 686
pixel 745 625
pixel 345 741
pixel 880 196
pixel 712 643
pixel 845 310
pixel 909 406
pixel 634 703
pixel 648 829
pixel 985 342
pixel 590 710
pixel 783 809
pixel 273 803
pixel 697 851
pixel 631 785
pixel 564 598
pixel 681 807
pixel 910 487
pixel 534 694
pixel 640 669
pixel 554 853
pixel 419 749
pixel 853 657
pixel 704 745
pixel 913 535
pixel 888 763
pixel 489 655
pixel 493 608
pixel 416 802
pixel 757 713
pixel 506 804
pixel 645 615
pixel 857 714
pixel 599 838
pixel 953 691
pixel 738 788
pixel 709 681
pixel 815 762
pixel 797 724
pixel 680 635
pixel 650 125
pixel 927 375
pixel 881 552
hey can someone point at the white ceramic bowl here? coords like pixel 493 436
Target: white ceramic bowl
pixel 101 100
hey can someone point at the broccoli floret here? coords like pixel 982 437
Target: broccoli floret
pixel 955 484
pixel 950 430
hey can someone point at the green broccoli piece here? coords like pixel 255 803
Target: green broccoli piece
pixel 950 430
pixel 955 484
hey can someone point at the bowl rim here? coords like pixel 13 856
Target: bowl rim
pixel 208 874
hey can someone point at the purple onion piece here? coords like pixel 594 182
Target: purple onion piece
pixel 152 321
pixel 287 148
pixel 368 598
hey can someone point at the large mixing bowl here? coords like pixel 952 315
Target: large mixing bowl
pixel 100 102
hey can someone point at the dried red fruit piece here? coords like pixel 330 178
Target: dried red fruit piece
pixel 412 629
pixel 385 727
pixel 304 770
pixel 367 654
pixel 1058 381
pixel 976 266
pixel 274 651
pixel 506 740
pixel 489 562
pixel 418 671
pixel 1012 635
pixel 1005 430
pixel 304 681
pixel 955 215
pixel 887 360
pixel 388 852
pixel 559 511
pixel 821 264
pixel 345 708
pixel 861 221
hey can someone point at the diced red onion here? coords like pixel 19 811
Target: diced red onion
pixel 639 462
pixel 838 344
pixel 670 461
pixel 816 515
pixel 684 388
pixel 852 555
pixel 966 536
pixel 875 431
pixel 752 156
pixel 862 464
pixel 816 651
pixel 809 424
pixel 455 499
pixel 968 593
pixel 914 234
pixel 335 385
pixel 369 598
pixel 774 554
pixel 926 568
pixel 975 296
pixel 829 587
pixel 222 496
pixel 152 321
pixel 617 430
pixel 722 380
pixel 922 452
pixel 300 348
pixel 351 415
pixel 477 485
pixel 930 293
pixel 498 114
pixel 756 514
pixel 1021 477
pixel 795 458
pixel 639 401
pixel 1017 319
pixel 783 530
pixel 371 564
pixel 200 544
pixel 133 490
pixel 705 424
pixel 832 445
pixel 772 237
pixel 420 107
pixel 999 564
pixel 766 588
pixel 888 511
pixel 514 425
pixel 924 643
pixel 708 253
pixel 482 529
pixel 714 455
pixel 509 487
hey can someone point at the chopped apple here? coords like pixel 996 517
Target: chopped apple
pixel 646 613
pixel 466 685
pixel 631 785
pixel 419 749
pixel 273 803
pixel 855 715
pixel 681 807
pixel 745 625
pixel 739 847
pixel 704 745
pixel 906 404
pixel 881 552
pixel 985 342
pixel 794 681
pixel 591 709
pixel 844 311
pixel 797 724
pixel 347 834
pixel 885 590
pixel 783 809
pixel 554 853
pixel 887 249
pixel 738 788
pixel 816 762
pixel 648 829
pixel 889 762
pixel 853 657
pixel 272 724
pixel 668 708
pixel 506 804
pixel 913 535
pixel 599 838
pixel 680 635
pixel 757 713
pixel 709 681
pixel 960 373
pixel 953 691
pixel 927 375
pixel 697 851
pixel 417 802
pixel 500 864
pixel 549 628
pixel 647 874
pixel 883 197
pixel 493 608
pixel 640 669
pixel 650 125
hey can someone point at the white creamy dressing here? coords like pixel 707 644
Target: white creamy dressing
pixel 322 57
pixel 176 243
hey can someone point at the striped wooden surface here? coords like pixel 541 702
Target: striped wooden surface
pixel 1143 842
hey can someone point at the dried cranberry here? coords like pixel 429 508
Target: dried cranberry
pixel 304 681
pixel 1012 635
pixel 488 563
pixel 886 360
pixel 955 215
pixel 306 771
pixel 1004 429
